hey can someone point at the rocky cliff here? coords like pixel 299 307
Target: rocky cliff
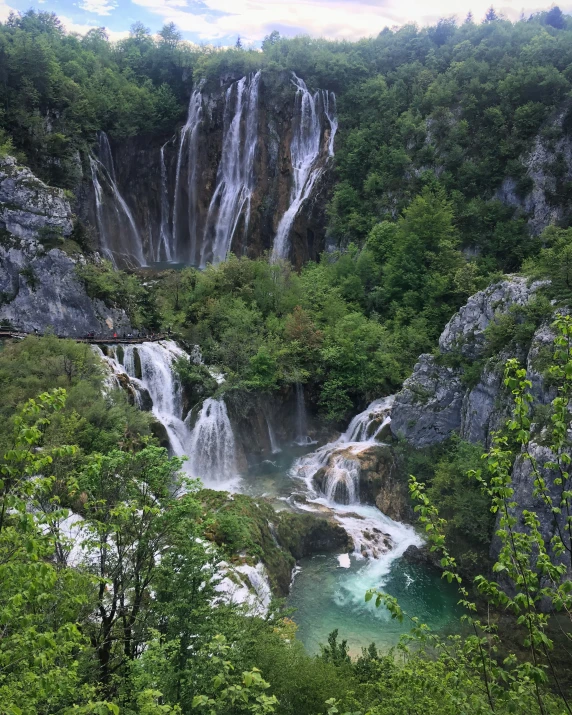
pixel 446 395
pixel 39 289
pixel 441 397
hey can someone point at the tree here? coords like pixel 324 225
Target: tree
pixel 491 15
pixel 41 604
pixel 555 18
pixel 238 44
pixel 170 35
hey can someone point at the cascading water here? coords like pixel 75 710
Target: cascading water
pixel 310 111
pixel 274 448
pixel 235 178
pixel 127 244
pixel 302 437
pixel 212 446
pixel 185 229
pixel 160 380
pixel 164 247
pixel 98 191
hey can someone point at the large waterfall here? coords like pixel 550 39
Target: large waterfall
pixel 193 211
pixel 235 179
pixel 311 113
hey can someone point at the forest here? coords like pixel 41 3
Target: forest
pixel 111 555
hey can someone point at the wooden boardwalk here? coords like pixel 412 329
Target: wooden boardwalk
pixel 93 340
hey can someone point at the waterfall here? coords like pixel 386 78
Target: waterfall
pixel 185 222
pixel 235 177
pixel 339 461
pixel 127 244
pixel 105 155
pixel 160 380
pixel 274 448
pixel 163 251
pixel 212 446
pixel 98 191
pixel 305 154
pixel 301 421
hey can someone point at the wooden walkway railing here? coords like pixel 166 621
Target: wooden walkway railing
pixel 93 339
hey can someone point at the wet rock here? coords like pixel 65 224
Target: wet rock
pixel 421 556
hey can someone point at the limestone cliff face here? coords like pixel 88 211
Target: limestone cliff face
pixel 436 400
pixel 180 188
pixel 548 167
pixel 39 289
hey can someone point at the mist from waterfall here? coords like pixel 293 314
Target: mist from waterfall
pixel 185 219
pixel 235 178
pixel 309 115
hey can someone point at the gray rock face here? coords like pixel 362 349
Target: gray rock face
pixel 27 205
pixel 465 331
pixel 434 402
pixel 41 292
pixel 39 289
pixel 538 162
pixel 428 409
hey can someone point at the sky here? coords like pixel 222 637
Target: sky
pixel 220 22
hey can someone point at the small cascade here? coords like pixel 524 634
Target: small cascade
pixel 212 446
pixel 274 448
pixel 310 113
pixel 98 191
pixel 118 378
pixel 105 155
pixel 235 178
pixel 185 231
pixel 302 437
pixel 154 363
pixel 342 480
pixel 127 244
pixel 164 248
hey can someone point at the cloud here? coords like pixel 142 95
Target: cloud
pixel 83 29
pixel 336 19
pixel 98 7
pixel 5 10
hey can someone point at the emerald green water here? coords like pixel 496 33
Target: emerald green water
pixel 327 597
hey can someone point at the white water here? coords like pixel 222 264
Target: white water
pixel 184 231
pixel 302 437
pixel 162 383
pixel 163 251
pixel 274 448
pixel 212 447
pixel 128 244
pixel 309 115
pixel 235 178
pixel 339 465
pixel 98 191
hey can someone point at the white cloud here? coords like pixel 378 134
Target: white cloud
pixel 5 10
pixel 98 7
pixel 337 19
pixel 82 29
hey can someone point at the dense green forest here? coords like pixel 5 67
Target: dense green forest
pixel 121 618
